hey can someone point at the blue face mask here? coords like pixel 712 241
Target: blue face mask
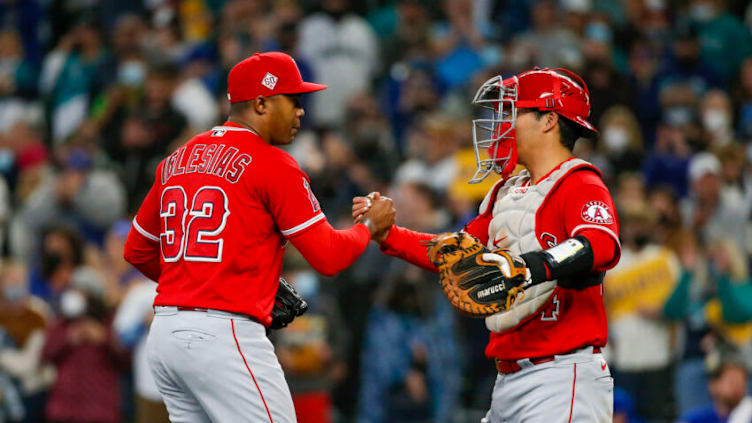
pixel 132 73
pixel 307 284
pixel 14 293
pixel 678 115
pixel 7 158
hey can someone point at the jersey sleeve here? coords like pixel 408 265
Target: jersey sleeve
pixel 329 251
pixel 478 227
pixel 289 198
pixel 588 207
pixel 408 245
pixel 142 248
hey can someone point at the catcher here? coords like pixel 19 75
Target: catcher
pixel 533 260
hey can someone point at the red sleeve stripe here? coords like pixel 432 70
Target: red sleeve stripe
pixel 143 231
pixel 307 223
pixel 602 228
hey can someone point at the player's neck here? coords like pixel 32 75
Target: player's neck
pixel 545 161
pixel 248 124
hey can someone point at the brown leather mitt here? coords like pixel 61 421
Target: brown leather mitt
pixel 477 281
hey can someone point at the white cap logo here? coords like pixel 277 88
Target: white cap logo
pixel 269 81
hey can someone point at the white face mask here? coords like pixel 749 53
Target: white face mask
pixel 702 12
pixel 715 120
pixel 15 292
pixel 132 73
pixel 616 139
pixel 72 304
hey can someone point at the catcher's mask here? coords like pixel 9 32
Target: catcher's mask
pixel 494 139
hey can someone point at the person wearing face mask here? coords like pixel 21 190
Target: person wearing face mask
pixel 641 344
pixel 24 318
pixel 621 140
pixel 313 348
pixel 712 210
pixel 409 354
pixel 684 63
pixel 716 115
pixel 82 346
pixel 725 40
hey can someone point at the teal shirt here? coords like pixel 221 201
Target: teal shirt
pixel 724 43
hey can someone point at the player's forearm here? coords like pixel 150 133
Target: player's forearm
pixel 143 254
pixel 330 251
pixel 408 245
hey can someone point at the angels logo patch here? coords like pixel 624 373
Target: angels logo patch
pixel 597 212
pixel 312 198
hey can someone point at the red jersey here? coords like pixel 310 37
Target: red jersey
pixel 219 212
pixel 578 204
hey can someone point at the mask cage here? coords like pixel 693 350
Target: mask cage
pixel 496 106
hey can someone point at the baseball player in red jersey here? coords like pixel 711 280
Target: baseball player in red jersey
pixel 212 231
pixel 556 218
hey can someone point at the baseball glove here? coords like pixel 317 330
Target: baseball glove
pixel 477 281
pixel 288 305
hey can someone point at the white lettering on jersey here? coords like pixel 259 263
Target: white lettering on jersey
pixel 554 313
pixel 212 159
pixel 548 239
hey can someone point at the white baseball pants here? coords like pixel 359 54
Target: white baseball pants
pixel 215 366
pixel 574 387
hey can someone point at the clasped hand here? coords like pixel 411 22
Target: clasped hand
pixel 377 212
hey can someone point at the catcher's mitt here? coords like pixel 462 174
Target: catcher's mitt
pixel 288 305
pixel 478 282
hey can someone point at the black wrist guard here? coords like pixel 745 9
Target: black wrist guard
pixel 569 258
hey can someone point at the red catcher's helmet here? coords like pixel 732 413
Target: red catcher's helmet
pixel 555 90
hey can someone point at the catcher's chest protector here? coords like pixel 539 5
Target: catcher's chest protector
pixel 513 227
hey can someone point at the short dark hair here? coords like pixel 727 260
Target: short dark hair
pixel 570 131
pixel 240 107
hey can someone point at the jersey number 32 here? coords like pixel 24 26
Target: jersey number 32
pixel 193 233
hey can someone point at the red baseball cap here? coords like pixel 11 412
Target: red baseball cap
pixel 266 74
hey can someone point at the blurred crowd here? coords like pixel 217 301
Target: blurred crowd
pixel 94 93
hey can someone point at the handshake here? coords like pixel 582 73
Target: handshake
pixel 375 211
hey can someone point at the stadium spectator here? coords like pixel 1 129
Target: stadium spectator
pixel 82 346
pixel 24 318
pixel 313 349
pixel 728 387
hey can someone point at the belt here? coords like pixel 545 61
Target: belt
pixel 209 310
pixel 511 366
pixel 181 308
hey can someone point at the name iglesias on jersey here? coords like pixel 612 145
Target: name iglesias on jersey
pixel 211 159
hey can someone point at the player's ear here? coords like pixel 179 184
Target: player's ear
pixel 549 121
pixel 260 105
